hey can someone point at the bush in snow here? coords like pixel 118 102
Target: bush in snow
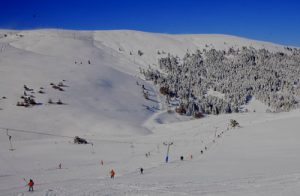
pixel 234 123
pixel 140 53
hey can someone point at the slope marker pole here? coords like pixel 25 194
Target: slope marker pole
pixel 168 150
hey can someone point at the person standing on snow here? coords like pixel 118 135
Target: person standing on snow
pixel 30 185
pixel 142 170
pixel 112 174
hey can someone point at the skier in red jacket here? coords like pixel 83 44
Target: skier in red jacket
pixel 30 185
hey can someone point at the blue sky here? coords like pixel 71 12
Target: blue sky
pixel 276 21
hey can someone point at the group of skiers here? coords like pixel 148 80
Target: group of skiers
pixel 112 172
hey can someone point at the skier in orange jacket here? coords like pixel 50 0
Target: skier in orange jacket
pixel 112 173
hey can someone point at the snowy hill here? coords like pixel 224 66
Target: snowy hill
pixel 96 76
pixel 151 43
pixel 40 57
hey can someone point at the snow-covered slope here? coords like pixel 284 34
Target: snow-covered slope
pixel 100 92
pixel 150 43
pixel 97 93
pixel 103 102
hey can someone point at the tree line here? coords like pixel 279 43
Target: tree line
pixel 239 74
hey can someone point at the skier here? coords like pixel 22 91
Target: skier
pixel 59 166
pixel 142 170
pixel 30 185
pixel 112 174
pixel 181 158
pixel 102 163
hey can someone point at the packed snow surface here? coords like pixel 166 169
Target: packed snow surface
pixel 103 102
